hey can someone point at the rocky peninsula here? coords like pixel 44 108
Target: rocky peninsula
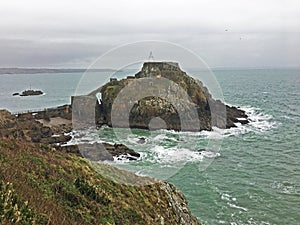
pixel 52 127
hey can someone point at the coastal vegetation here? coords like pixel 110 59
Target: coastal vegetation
pixel 40 184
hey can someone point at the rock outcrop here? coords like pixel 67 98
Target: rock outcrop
pixel 29 93
pixel 50 127
pixel 164 96
pixel 27 127
pixel 101 151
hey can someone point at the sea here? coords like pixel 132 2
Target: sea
pixel 247 175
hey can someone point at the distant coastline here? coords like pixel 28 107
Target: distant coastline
pixel 65 70
pixel 47 70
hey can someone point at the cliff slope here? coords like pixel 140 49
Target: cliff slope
pixel 42 185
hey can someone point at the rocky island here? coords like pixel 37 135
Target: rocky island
pixel 29 93
pixel 160 90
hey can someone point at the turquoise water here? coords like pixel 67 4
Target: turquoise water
pixel 58 87
pixel 253 179
pixel 256 179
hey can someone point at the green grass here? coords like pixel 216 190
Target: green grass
pixel 39 185
pixel 15 211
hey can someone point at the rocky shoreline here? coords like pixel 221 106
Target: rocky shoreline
pixel 45 182
pixel 53 127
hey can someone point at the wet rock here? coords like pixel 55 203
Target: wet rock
pixel 120 149
pixel 100 151
pixel 141 140
pixel 58 139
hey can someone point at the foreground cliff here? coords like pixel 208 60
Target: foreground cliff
pixel 43 185
pixel 162 90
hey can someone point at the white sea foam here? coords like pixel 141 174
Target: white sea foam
pixel 227 197
pixel 259 122
pixel 210 154
pixel 178 155
pixel 136 140
pixel 84 136
pixel 173 155
pixel 237 207
pixel 284 187
pixel 231 201
pixel 123 158
pixel 159 137
pixel 167 147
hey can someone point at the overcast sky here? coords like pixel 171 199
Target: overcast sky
pixel 225 33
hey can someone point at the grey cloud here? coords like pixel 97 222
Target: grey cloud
pixel 73 33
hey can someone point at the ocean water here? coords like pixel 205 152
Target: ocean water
pixel 254 178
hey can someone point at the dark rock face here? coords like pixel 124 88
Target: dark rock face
pixel 101 152
pixel 162 90
pixel 26 127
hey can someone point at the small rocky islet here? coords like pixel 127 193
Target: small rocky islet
pixel 29 93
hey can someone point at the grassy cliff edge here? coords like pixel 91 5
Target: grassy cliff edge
pixel 40 185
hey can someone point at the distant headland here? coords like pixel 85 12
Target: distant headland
pixel 47 70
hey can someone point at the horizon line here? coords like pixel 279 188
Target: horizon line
pixel 10 70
